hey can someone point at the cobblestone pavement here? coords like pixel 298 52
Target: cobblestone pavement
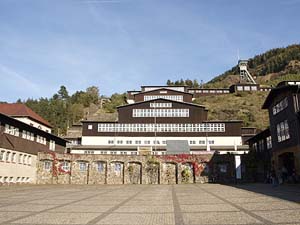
pixel 150 204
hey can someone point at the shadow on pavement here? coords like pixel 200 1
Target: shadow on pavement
pixel 289 192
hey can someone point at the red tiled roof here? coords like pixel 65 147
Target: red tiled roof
pixel 18 110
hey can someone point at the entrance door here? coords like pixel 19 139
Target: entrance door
pixel 288 161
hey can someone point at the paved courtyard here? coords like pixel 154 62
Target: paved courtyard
pixel 150 204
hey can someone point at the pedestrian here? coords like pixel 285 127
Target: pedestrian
pixel 274 178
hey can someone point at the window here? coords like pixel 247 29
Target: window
pixel 110 141
pixel 178 98
pixel 129 142
pixel 269 142
pixel 118 167
pixel 2 155
pixel 47 165
pixel 211 142
pixel 296 103
pixel 52 145
pixel 160 113
pixel 119 142
pixel 11 130
pixel 13 157
pixel 261 146
pixel 29 160
pixel 280 106
pixel 82 166
pixel 201 142
pixel 90 127
pixel 100 166
pixel 65 166
pixel 137 142
pixel 283 131
pixel 24 134
pixel 7 158
pixel 147 142
pixel 247 88
pixel 20 160
pixel 254 146
pixel 161 105
pixel 192 142
pixel 41 140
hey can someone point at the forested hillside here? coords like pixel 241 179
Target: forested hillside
pixel 275 63
pixel 62 110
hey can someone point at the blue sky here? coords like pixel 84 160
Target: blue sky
pixel 119 45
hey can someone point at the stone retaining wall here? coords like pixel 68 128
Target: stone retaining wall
pixel 118 169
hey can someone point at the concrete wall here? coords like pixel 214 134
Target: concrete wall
pixel 118 169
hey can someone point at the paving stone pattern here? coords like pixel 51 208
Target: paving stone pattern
pixel 187 204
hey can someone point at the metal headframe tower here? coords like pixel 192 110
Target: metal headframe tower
pixel 245 76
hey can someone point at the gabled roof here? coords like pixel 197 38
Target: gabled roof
pixel 160 89
pixel 279 89
pixel 167 100
pixel 21 110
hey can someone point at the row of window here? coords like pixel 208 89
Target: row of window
pixel 169 87
pixel 201 142
pixel 208 91
pixel 178 98
pixel 14 157
pixel 11 130
pixel 161 105
pixel 283 131
pixel 246 88
pixel 14 180
pixel 260 146
pixel 119 153
pixel 148 142
pixel 280 106
pixel 28 136
pixel 161 127
pixel 83 166
pixel 41 140
pixel 160 112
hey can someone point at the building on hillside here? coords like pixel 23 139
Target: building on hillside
pixel 24 114
pixel 134 96
pixel 20 142
pixel 161 120
pixel 200 92
pixel 283 104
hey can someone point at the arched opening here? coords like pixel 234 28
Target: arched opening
pixel 115 173
pixel 286 165
pixel 134 173
pixel 169 173
pixel 187 173
pixel 152 171
pixel 99 172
